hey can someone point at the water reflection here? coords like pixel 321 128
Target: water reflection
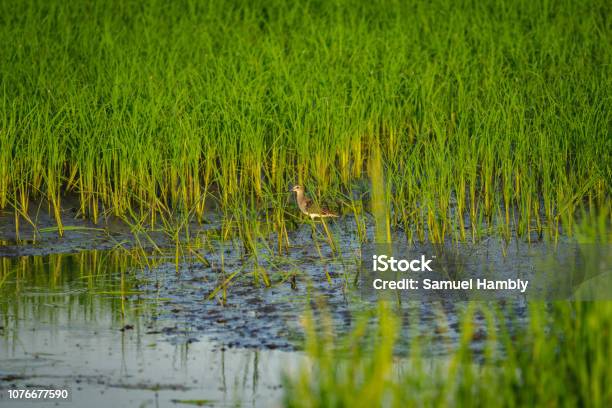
pixel 80 321
pixel 126 328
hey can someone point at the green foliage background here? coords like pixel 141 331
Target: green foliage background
pixel 492 109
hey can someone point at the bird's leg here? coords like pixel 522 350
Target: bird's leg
pixel 313 232
pixel 314 239
pixel 330 239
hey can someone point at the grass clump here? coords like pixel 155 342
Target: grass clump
pixel 559 359
pixel 483 112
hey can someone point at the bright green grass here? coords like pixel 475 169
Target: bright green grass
pixel 493 111
pixel 560 359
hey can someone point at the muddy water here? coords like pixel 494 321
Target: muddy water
pixel 80 321
pixel 132 331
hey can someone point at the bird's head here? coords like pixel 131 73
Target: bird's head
pixel 297 189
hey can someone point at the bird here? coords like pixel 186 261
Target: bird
pixel 308 207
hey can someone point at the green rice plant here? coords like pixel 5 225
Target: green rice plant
pixel 483 113
pixel 380 197
pixel 558 359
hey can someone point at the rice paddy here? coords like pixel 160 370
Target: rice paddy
pixel 148 149
pixel 478 115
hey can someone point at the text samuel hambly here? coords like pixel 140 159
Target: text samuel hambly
pixel 384 263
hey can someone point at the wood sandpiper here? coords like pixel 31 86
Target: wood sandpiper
pixel 308 207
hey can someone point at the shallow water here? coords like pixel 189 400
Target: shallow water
pixel 126 330
pixel 64 324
